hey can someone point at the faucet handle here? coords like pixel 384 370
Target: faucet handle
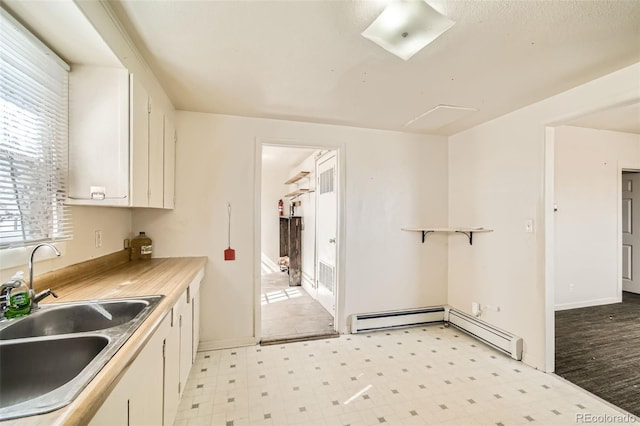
pixel 44 293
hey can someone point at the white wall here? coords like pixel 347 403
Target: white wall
pixel 586 223
pixel 392 180
pixel 497 180
pixel 115 224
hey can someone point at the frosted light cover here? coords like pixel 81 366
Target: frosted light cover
pixel 406 26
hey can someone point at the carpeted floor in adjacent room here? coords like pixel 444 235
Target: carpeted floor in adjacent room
pixel 598 349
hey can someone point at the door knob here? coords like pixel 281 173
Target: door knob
pixel 332 240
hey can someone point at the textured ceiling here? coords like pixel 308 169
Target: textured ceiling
pixel 306 60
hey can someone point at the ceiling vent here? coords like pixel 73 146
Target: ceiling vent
pixel 438 117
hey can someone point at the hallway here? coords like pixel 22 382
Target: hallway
pixel 290 313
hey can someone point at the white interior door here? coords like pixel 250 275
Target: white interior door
pixel 631 232
pixel 326 230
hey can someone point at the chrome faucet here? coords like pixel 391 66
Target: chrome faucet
pixel 35 298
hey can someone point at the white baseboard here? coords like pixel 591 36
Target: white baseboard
pixel 212 345
pixel 631 289
pixel 586 303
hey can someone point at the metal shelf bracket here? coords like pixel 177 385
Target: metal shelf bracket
pixel 468 234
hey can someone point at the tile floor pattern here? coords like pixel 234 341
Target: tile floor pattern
pixel 418 376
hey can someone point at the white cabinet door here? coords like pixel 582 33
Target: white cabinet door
pixel 195 309
pixel 98 136
pixel 147 377
pixel 152 150
pixel 185 322
pixel 137 399
pixel 186 343
pixel 169 161
pixel 115 410
pixel 172 369
pixel 156 155
pixel 139 144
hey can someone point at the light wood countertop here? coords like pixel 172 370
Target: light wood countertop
pixel 165 276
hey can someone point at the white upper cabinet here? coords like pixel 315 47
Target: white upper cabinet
pixel 120 153
pixel 156 155
pixel 121 123
pixel 150 171
pixel 98 136
pixel 139 144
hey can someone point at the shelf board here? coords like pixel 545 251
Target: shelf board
pixel 466 231
pixel 297 177
pixel 298 192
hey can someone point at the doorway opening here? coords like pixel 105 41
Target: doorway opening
pixel 594 310
pixel 299 222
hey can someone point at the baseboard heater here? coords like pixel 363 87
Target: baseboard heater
pixel 492 336
pixel 496 338
pixel 361 323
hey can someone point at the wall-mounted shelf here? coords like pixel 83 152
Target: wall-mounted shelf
pixel 466 231
pixel 298 192
pixel 297 177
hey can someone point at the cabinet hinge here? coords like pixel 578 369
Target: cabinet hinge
pixel 175 137
pixel 149 106
pixel 180 321
pixel 189 294
pixel 179 387
pixel 164 348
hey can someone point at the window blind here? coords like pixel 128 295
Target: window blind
pixel 34 139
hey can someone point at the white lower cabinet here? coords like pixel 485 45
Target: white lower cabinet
pixel 172 370
pixel 149 391
pixel 138 397
pixel 185 322
pixel 195 310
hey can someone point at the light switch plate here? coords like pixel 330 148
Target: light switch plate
pixel 528 225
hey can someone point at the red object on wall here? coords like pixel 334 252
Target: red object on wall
pixel 229 253
pixel 281 208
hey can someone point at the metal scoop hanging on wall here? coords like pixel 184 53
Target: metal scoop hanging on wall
pixel 229 253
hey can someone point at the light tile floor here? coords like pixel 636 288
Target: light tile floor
pixel 417 376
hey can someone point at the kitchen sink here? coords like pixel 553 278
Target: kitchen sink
pixel 49 356
pixel 63 318
pixel 34 368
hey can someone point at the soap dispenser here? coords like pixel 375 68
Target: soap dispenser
pixel 19 301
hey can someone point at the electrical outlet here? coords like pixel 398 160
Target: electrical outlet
pixel 475 309
pixel 98 238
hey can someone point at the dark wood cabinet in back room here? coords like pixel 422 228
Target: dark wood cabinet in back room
pixel 291 245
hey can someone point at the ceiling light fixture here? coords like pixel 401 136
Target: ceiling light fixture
pixel 406 26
